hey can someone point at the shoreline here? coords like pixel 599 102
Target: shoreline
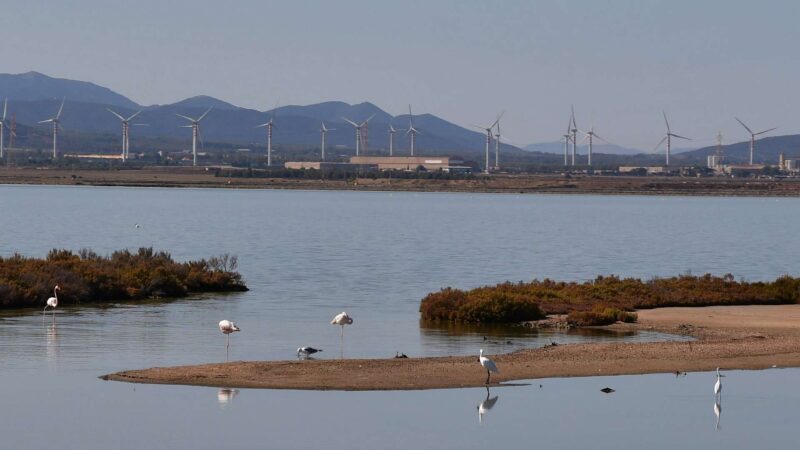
pixel 186 177
pixel 730 337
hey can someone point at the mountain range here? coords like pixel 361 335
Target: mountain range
pixel 34 97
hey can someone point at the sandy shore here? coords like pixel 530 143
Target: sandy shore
pixel 731 337
pixel 188 177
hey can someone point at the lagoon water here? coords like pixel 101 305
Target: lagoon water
pixel 309 255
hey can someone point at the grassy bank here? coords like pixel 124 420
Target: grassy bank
pixel 601 301
pixel 86 277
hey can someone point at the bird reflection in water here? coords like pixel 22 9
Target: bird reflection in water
pixel 717 412
pixel 486 405
pixel 225 396
pixel 51 341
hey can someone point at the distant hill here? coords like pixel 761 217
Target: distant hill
pixel 34 86
pixel 34 97
pixel 610 149
pixel 766 150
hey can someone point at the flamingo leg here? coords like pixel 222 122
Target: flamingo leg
pixel 227 346
pixel 488 375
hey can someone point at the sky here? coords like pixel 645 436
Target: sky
pixel 620 62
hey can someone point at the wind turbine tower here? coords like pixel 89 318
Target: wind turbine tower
pixel 2 127
pixel 323 131
pixel 574 131
pixel 55 120
pixel 359 133
pixel 753 137
pixel 269 126
pixel 668 138
pixel 126 142
pixel 488 139
pixel 411 130
pixel 590 135
pixel 195 126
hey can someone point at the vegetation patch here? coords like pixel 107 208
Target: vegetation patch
pixel 86 277
pixel 599 301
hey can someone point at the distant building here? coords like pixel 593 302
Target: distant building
pixel 741 169
pixel 319 165
pixel 431 163
pixel 716 162
pixel 650 170
pixel 791 165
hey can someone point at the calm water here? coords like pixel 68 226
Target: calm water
pixel 309 255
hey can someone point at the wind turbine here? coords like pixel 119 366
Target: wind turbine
pixel 126 142
pixel 752 137
pixel 324 130
pixel 411 130
pixel 195 126
pixel 497 146
pixel 489 138
pixel 574 131
pixel 392 131
pixel 269 126
pixel 590 135
pixel 668 138
pixel 358 127
pixel 56 120
pixel 566 143
pixel 2 127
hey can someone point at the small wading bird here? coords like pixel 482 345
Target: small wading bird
pixel 52 302
pixel 718 385
pixel 489 365
pixel 227 327
pixel 307 351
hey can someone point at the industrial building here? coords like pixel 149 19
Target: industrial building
pixel 319 165
pixel 431 163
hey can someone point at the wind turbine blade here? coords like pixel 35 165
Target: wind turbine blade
pixel 766 131
pixel 5 107
pixel 370 118
pixel 185 117
pixel 136 114
pixel 497 121
pixel 118 116
pixel 204 114
pixel 678 136
pixel 480 127
pixel 350 122
pixel 61 108
pixel 666 121
pixel 262 125
pixel 573 123
pixel 46 121
pixel 745 126
pixel 598 137
pixel 659 144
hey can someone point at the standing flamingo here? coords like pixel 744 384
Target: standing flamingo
pixel 227 327
pixel 489 365
pixel 52 302
pixel 342 319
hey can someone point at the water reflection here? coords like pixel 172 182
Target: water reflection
pixel 51 341
pixel 717 412
pixel 225 396
pixel 486 405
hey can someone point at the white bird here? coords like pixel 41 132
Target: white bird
pixel 489 365
pixel 486 405
pixel 718 385
pixel 342 319
pixel 52 302
pixel 227 327
pixel 307 351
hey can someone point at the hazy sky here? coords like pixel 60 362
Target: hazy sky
pixel 620 62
